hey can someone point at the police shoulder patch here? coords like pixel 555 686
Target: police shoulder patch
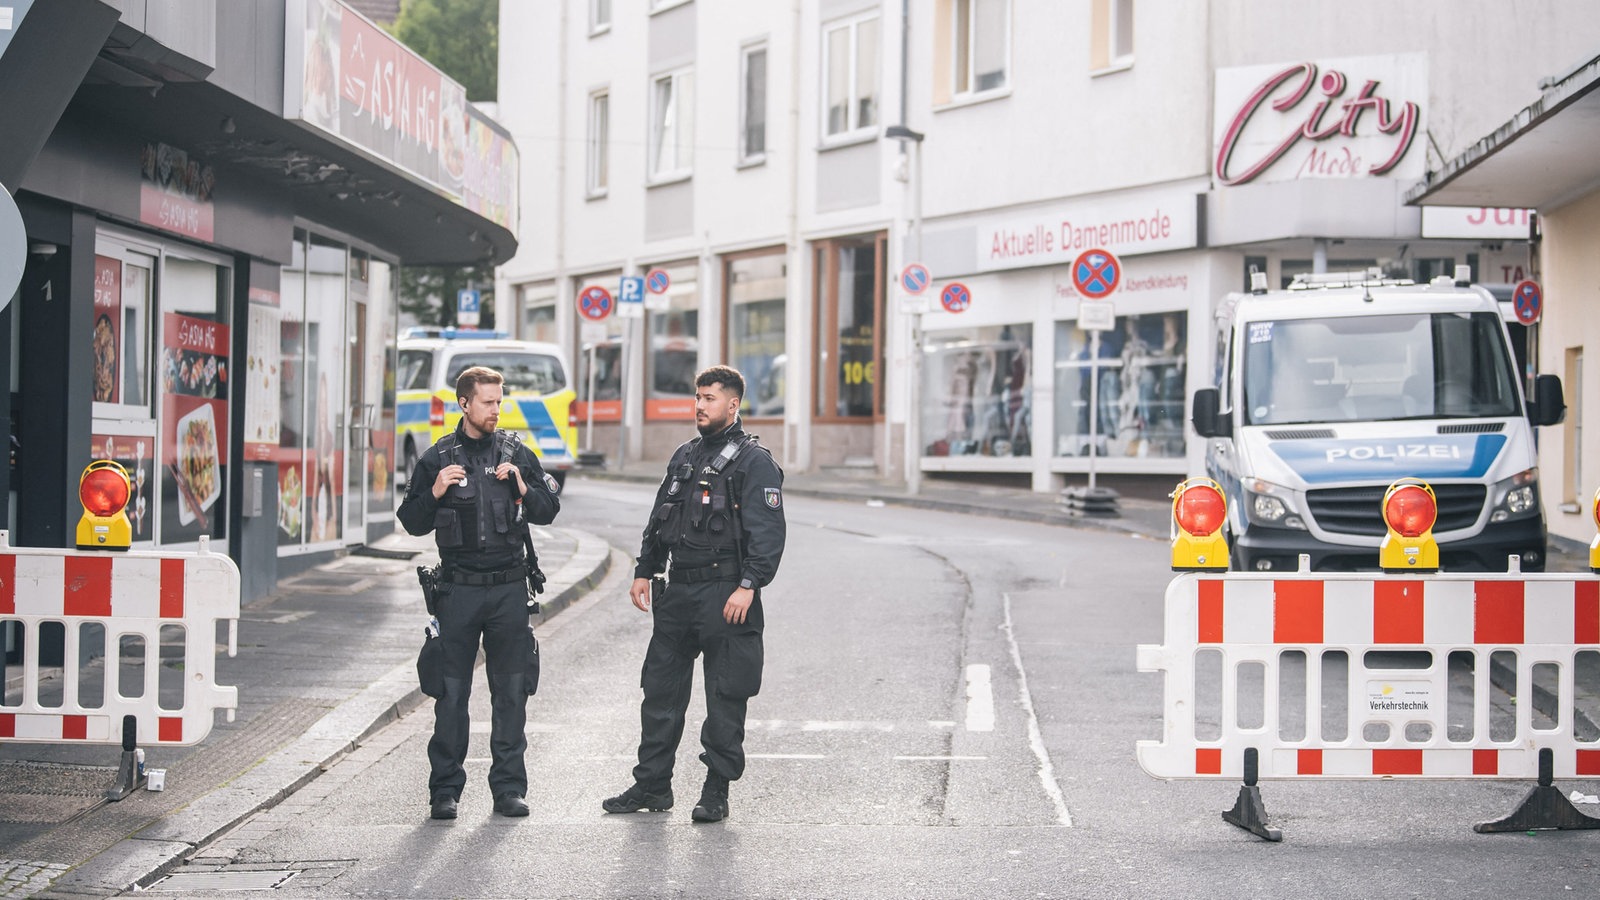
pixel 550 482
pixel 773 497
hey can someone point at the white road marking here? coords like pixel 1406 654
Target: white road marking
pixel 937 758
pixel 941 723
pixel 980 699
pixel 1047 774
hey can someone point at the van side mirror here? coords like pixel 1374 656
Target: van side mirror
pixel 1208 421
pixel 1549 407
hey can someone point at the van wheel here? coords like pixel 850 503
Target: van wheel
pixel 409 456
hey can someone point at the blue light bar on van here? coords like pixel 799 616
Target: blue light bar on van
pixel 452 333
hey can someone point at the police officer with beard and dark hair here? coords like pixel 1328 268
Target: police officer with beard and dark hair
pixel 718 516
pixel 477 490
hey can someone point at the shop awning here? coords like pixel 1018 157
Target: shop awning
pixel 1543 158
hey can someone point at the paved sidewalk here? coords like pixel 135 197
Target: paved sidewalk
pixel 324 662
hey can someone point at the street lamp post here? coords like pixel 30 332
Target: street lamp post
pixel 913 411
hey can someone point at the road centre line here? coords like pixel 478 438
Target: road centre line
pixel 1047 775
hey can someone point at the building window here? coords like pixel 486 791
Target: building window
pixel 1111 27
pixel 756 286
pixel 753 105
pixel 122 305
pixel 850 67
pixel 599 177
pixel 1136 383
pixel 599 16
pixel 850 291
pixel 982 45
pixel 672 126
pixel 674 355
pixel 538 305
pixel 978 399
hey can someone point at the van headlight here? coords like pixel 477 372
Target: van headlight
pixel 1270 504
pixel 1516 497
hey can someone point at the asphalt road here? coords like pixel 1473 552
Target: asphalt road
pixel 949 710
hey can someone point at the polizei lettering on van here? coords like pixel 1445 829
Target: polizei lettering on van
pixel 1398 451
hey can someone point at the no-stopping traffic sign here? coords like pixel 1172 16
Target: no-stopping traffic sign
pixel 595 303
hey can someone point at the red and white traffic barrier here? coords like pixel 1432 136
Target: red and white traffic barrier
pixel 139 594
pixel 1250 620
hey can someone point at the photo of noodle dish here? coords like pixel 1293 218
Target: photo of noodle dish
pixel 197 461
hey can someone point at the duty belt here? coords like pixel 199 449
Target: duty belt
pixel 480 579
pixel 717 571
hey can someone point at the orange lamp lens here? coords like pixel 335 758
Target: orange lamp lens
pixel 103 492
pixel 1410 511
pixel 1200 510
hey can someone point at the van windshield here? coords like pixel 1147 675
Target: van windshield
pixel 523 371
pixel 1356 369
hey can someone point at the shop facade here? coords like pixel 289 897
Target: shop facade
pixel 210 296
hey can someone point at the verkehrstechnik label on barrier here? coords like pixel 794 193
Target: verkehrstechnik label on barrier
pixel 1400 699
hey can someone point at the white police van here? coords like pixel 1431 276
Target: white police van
pixel 1330 390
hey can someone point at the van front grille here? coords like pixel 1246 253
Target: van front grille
pixel 1359 510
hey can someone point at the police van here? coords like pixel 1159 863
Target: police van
pixel 1329 391
pixel 538 393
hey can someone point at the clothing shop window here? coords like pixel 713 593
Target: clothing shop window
pixel 672 126
pixel 753 105
pixel 674 354
pixel 598 358
pixel 538 305
pixel 599 147
pixel 1136 383
pixel 977 390
pixel 850 67
pixel 1111 26
pixel 850 292
pixel 756 285
pixel 982 38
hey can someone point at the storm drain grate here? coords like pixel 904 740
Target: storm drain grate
pixel 236 880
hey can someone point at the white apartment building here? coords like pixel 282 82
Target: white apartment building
pixel 781 163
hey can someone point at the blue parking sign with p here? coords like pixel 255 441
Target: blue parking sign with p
pixel 632 289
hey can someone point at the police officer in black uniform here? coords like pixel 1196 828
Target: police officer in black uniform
pixel 719 517
pixel 477 490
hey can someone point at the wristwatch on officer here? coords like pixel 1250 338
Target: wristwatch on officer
pixel 747 584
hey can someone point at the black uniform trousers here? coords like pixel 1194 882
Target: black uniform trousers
pixel 498 616
pixel 688 622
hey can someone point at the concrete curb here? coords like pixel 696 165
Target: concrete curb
pixel 138 860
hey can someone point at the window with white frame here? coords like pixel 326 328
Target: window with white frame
pixel 753 104
pixel 980 57
pixel 599 16
pixel 599 155
pixel 850 70
pixel 1112 34
pixel 672 125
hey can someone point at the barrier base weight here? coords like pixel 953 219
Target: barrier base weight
pixel 128 777
pixel 1250 814
pixel 1543 808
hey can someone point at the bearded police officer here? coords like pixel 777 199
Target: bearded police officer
pixel 477 490
pixel 718 515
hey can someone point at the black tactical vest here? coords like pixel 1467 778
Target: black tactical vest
pixel 698 522
pixel 482 515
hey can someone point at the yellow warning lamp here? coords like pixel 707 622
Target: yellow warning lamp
pixel 103 489
pixel 1198 513
pixel 1409 509
pixel 1594 545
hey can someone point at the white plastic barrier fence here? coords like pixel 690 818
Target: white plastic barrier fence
pixel 139 599
pixel 1396 723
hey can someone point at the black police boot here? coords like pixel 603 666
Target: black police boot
pixel 511 805
pixel 638 797
pixel 442 807
pixel 713 805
